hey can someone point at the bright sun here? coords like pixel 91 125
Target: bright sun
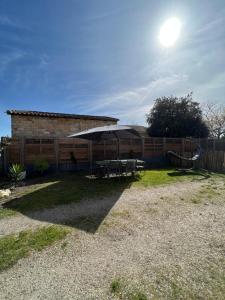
pixel 170 32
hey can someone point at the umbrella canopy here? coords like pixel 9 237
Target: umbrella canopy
pixel 107 133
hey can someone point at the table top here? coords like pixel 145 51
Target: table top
pixel 123 161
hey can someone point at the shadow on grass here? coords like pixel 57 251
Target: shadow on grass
pixel 196 174
pixel 45 200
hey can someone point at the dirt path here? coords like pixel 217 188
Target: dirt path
pixel 145 232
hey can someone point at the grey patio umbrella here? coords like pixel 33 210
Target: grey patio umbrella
pixel 107 133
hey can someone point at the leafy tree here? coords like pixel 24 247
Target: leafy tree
pixel 176 117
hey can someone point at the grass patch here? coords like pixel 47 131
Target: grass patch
pixel 196 200
pixel 4 213
pixel 208 193
pixel 67 188
pixel 15 247
pixel 116 286
pixel 172 289
pixel 151 210
pixel 206 281
pixel 64 245
pixel 137 296
pixel 120 214
pixel 126 292
pixel 158 177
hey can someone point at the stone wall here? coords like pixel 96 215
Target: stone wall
pixel 34 126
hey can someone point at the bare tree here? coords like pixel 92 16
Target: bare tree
pixel 215 119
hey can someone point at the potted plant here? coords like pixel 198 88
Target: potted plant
pixel 17 172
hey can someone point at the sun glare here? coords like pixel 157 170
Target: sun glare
pixel 170 32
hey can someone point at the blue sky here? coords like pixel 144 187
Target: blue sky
pixel 103 57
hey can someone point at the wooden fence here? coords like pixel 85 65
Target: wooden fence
pixel 72 154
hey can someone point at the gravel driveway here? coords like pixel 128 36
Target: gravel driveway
pixel 145 235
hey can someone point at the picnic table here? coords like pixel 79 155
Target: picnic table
pixel 119 166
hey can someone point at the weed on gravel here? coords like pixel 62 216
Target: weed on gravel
pixel 116 286
pixel 206 282
pixel 123 291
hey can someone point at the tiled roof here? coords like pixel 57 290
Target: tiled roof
pixel 58 115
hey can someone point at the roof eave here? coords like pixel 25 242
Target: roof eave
pixel 59 115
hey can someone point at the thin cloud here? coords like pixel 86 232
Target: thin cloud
pixel 132 105
pixel 216 22
pixel 142 94
pixel 6 21
pixel 8 58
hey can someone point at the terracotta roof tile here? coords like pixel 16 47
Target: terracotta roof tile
pixel 58 115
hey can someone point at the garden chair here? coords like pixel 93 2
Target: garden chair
pixel 139 167
pixel 130 167
pixel 114 167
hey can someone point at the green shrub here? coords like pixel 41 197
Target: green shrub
pixel 16 172
pixel 41 165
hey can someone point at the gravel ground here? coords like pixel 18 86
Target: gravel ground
pixel 136 235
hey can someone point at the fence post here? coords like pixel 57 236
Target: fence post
pixel 214 145
pixel 143 147
pixel 90 155
pixel 223 160
pixel 104 148
pixel 22 151
pixel 5 163
pixel 118 149
pixel 164 146
pixel 56 147
pixel 183 148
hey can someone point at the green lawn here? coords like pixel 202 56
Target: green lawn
pixel 152 178
pixel 4 213
pixel 15 247
pixel 67 188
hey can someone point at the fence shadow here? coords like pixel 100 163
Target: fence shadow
pixel 90 200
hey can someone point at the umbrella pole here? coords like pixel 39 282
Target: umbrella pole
pixel 90 157
pixel 118 144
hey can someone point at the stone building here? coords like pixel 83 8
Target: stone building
pixel 45 124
